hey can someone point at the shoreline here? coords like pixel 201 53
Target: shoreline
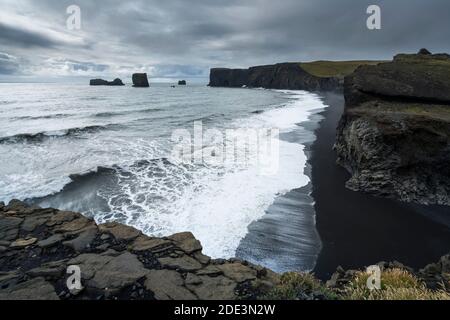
pixel 357 229
pixel 285 239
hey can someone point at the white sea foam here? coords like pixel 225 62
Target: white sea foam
pixel 147 189
pixel 218 204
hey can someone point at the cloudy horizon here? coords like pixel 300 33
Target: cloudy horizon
pixel 179 39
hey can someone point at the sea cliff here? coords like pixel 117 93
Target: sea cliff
pixel 309 76
pixel 279 76
pixel 394 136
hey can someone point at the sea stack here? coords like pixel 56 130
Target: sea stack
pixel 101 82
pixel 140 80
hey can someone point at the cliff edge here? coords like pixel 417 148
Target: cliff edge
pixel 394 136
pixel 40 247
pixel 310 76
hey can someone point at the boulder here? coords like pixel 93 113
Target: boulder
pixel 186 242
pixel 140 80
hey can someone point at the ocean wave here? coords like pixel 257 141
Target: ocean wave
pixel 50 116
pixel 42 136
pixel 108 114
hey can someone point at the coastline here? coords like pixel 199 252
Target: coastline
pixel 285 239
pixel 357 229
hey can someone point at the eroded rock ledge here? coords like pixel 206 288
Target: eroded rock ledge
pixel 116 261
pixel 394 137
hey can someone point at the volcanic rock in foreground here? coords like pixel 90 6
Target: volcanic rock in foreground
pixel 116 261
pixel 140 80
pixel 101 82
pixel 394 136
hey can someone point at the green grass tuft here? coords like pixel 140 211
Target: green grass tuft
pixel 396 284
pixel 295 286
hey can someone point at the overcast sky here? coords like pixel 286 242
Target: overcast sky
pixel 184 38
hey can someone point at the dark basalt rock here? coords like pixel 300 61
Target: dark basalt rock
pixel 140 80
pixel 182 83
pixel 116 261
pixel 424 51
pixel 101 82
pixel 119 262
pixel 280 76
pixel 394 137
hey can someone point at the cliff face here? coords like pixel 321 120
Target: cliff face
pixel 394 137
pixel 280 76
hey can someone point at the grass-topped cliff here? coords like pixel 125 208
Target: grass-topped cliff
pixel 311 76
pixel 394 137
pixel 339 69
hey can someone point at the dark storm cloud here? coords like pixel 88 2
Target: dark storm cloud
pixel 188 37
pixel 15 36
pixel 8 64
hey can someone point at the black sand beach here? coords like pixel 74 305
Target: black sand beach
pixel 358 230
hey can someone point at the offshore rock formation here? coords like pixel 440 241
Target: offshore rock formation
pixel 182 83
pixel 290 76
pixel 394 137
pixel 140 80
pixel 116 261
pixel 101 82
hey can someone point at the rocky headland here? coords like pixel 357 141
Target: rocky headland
pixel 280 76
pixel 311 76
pixel 38 245
pixel 394 136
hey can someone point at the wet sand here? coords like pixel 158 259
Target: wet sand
pixel 358 230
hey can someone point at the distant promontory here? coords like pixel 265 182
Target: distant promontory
pixel 310 76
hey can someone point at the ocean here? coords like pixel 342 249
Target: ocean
pixel 108 152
